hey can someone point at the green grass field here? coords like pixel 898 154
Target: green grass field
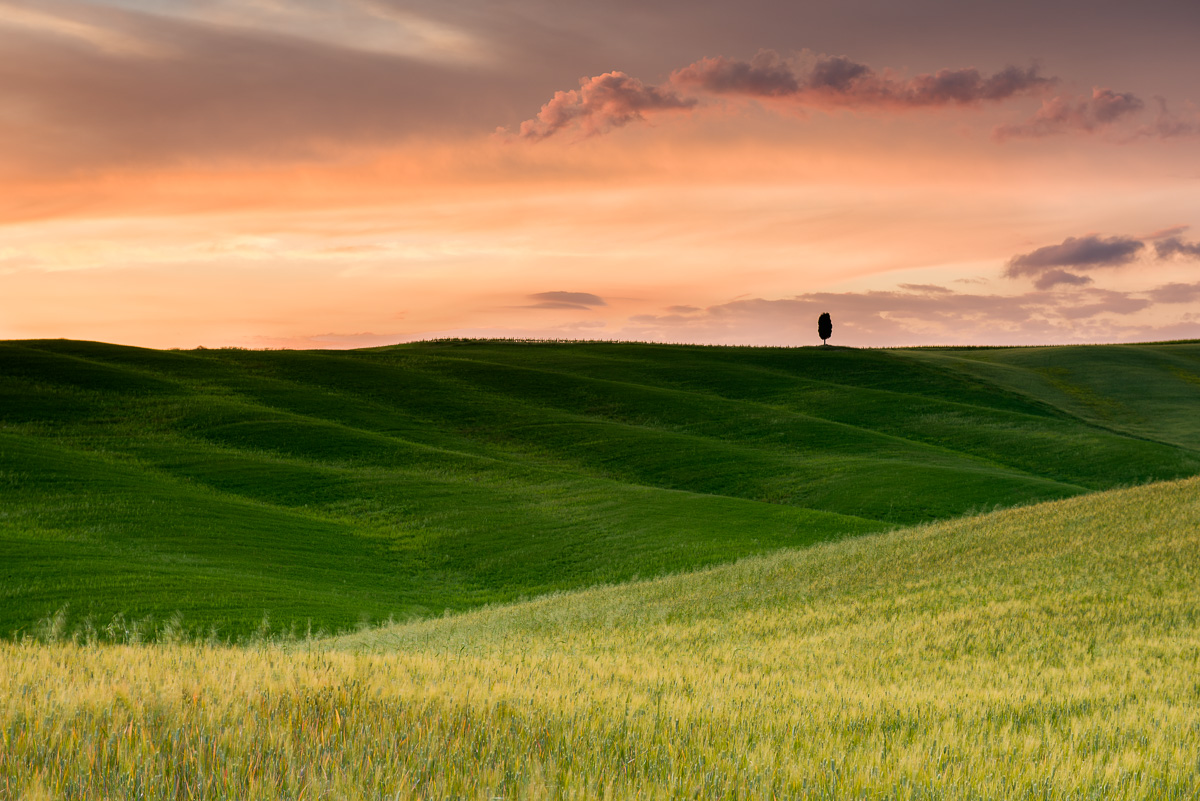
pixel 1050 652
pixel 206 490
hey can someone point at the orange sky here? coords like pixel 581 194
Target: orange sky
pixel 340 173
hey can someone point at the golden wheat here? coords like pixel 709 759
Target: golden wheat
pixel 1051 652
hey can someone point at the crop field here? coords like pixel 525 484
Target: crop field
pixel 213 494
pixel 1047 652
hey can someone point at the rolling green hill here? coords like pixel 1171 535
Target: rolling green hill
pixel 340 486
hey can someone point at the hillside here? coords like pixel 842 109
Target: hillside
pixel 334 487
pixel 1048 652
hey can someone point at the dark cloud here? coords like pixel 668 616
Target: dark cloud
pixel 1174 246
pixel 838 74
pixel 566 300
pixel 1056 277
pixel 1175 293
pixel 601 103
pixel 1085 252
pixel 766 75
pixel 1063 114
pixel 840 81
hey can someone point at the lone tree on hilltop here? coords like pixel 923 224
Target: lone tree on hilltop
pixel 824 327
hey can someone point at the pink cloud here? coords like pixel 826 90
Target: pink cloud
pixel 1171 125
pixel 601 103
pixel 614 99
pixel 1060 114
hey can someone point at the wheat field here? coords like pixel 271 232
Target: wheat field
pixel 1048 652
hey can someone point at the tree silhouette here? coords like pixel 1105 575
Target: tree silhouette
pixel 824 327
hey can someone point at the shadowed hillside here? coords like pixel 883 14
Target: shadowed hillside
pixel 337 486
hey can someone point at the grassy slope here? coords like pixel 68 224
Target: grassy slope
pixel 333 485
pixel 1049 652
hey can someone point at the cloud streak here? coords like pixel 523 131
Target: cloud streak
pixel 583 301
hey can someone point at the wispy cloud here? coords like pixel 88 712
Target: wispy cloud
pixel 110 87
pixel 1175 246
pixel 583 301
pixel 1059 115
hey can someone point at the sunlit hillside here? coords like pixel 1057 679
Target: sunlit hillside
pixel 224 491
pixel 1049 652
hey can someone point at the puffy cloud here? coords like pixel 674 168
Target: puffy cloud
pixel 1174 246
pixel 1085 252
pixel 601 103
pixel 1063 114
pixel 566 300
pixel 613 99
pixel 763 76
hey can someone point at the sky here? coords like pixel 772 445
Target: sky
pixel 353 173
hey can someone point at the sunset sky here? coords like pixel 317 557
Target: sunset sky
pixel 346 173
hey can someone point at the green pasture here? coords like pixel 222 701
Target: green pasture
pixel 228 491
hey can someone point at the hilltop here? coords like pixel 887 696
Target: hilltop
pixel 342 486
